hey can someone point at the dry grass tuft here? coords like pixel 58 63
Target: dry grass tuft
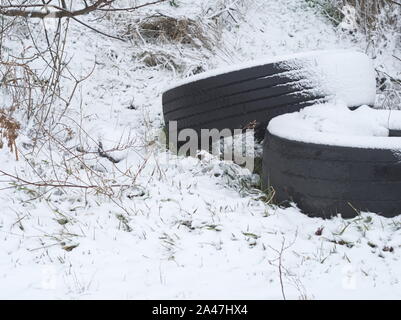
pixel 9 131
pixel 153 59
pixel 164 29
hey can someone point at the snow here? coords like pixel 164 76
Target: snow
pixel 181 228
pixel 255 63
pixel 342 74
pixel 335 124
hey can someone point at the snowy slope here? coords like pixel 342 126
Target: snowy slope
pixel 181 227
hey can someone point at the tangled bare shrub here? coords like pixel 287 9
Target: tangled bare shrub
pixel 370 14
pixel 378 21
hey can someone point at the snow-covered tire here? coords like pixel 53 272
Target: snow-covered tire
pixel 324 180
pixel 256 93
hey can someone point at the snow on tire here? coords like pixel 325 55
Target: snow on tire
pixel 255 93
pixel 331 160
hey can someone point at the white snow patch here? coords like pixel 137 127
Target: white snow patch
pixel 343 75
pixel 335 124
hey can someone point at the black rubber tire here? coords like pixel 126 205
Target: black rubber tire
pixel 395 133
pixel 235 99
pixel 326 180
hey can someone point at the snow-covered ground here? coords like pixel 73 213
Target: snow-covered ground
pixel 176 227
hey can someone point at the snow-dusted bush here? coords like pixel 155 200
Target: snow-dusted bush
pixel 378 24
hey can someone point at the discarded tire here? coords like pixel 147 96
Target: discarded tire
pixel 330 173
pixel 253 94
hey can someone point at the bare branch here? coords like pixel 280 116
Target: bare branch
pixel 45 13
pixel 133 8
pixel 57 184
